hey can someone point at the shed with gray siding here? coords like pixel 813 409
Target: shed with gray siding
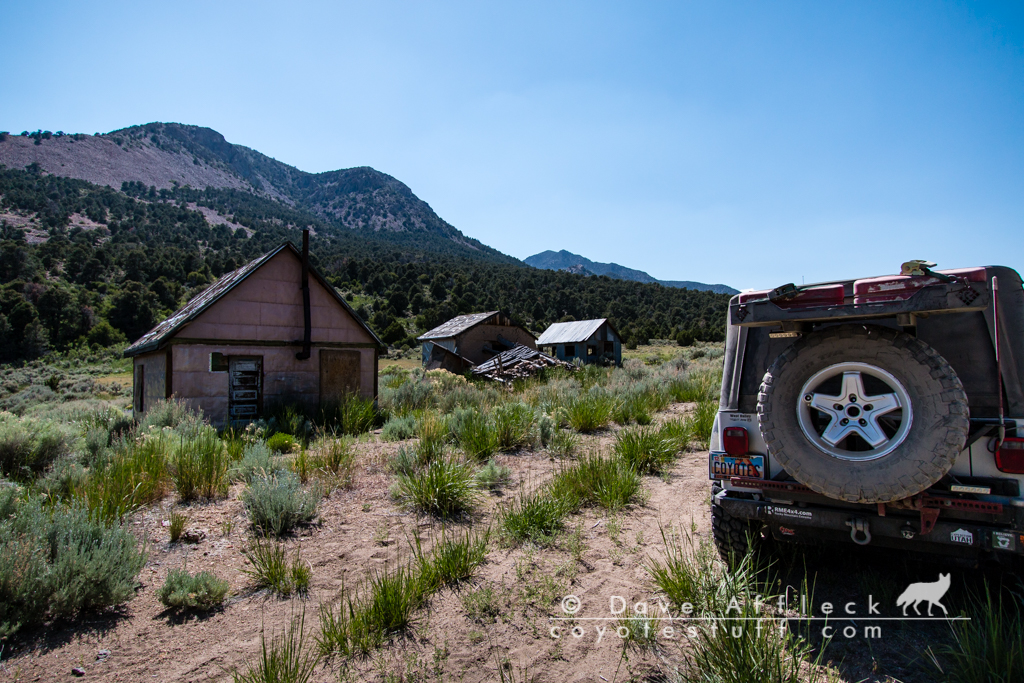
pixel 476 337
pixel 591 341
pixel 243 345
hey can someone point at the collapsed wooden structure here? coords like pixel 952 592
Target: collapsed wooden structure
pixel 519 362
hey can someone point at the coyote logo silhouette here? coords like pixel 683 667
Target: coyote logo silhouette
pixel 924 592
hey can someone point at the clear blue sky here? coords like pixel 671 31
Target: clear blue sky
pixel 745 143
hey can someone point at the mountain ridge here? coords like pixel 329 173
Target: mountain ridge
pixel 568 261
pixel 172 155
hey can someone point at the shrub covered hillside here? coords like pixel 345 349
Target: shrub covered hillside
pixel 82 264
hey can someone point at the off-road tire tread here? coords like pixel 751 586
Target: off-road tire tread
pixel 730 533
pixel 952 406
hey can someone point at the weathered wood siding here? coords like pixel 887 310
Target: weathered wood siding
pixel 285 378
pixel 471 343
pixel 597 341
pixel 154 369
pixel 262 316
pixel 267 306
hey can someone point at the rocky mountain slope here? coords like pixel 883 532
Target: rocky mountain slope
pixel 171 155
pixel 574 263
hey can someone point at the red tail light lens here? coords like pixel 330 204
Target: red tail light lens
pixel 735 441
pixel 1010 456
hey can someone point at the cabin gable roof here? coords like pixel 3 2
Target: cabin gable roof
pixel 157 337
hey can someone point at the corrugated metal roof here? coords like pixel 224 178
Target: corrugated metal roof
pixel 199 303
pixel 570 333
pixel 456 325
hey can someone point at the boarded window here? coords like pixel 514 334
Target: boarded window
pixel 245 389
pixel 218 362
pixel 339 374
pixel 140 388
pixel 570 350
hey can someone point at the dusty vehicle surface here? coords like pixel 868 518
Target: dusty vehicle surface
pixel 885 411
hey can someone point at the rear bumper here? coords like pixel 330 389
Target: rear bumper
pixel 816 523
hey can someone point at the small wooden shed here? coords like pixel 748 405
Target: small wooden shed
pixel 473 338
pixel 592 341
pixel 273 331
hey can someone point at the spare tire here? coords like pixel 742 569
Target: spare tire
pixel 863 413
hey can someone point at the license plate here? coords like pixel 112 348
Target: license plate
pixel 724 466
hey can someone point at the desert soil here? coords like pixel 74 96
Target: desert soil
pixel 363 529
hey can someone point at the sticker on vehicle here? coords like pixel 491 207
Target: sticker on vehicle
pixel 786 531
pixel 724 466
pixel 790 513
pixel 1002 540
pixel 962 536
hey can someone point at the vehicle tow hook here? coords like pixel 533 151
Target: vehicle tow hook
pixel 860 532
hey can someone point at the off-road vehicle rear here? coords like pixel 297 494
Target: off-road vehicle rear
pixel 884 411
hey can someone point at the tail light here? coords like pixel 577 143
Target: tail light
pixel 1010 456
pixel 734 439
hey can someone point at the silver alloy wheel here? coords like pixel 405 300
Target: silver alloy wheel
pixel 849 423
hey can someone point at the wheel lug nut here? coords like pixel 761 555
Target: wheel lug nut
pixel 808 398
pixel 863 422
pixel 869 407
pixel 853 399
pixel 844 422
pixel 838 406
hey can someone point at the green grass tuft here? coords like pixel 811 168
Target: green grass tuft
pixel 988 648
pixel 564 443
pixel 595 480
pixel 475 434
pixel 177 525
pixel 701 421
pixel 514 426
pixel 492 475
pixel 184 591
pixel 644 449
pixel 453 559
pixel 287 658
pixel 535 517
pixel 281 443
pixel 269 567
pixel 590 411
pixel 445 488
pixel 200 466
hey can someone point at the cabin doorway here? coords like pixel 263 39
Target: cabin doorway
pixel 339 374
pixel 245 390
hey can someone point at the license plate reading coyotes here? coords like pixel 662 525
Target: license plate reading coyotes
pixel 727 466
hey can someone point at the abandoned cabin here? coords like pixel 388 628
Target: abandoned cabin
pixel 592 341
pixel 272 332
pixel 469 340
